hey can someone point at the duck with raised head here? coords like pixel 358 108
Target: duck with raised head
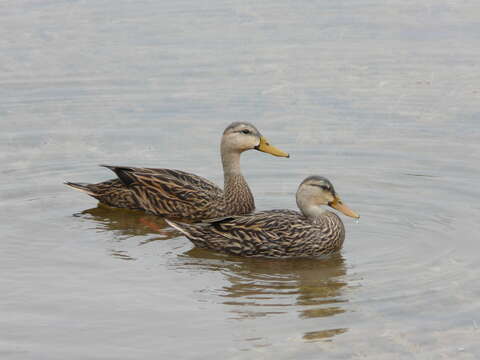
pixel 312 232
pixel 178 194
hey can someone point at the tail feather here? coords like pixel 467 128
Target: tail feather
pixel 123 173
pixel 81 186
pixel 177 227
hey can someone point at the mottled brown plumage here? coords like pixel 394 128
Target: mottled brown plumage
pixel 178 194
pixel 278 233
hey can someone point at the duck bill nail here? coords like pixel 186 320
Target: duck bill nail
pixel 338 205
pixel 264 146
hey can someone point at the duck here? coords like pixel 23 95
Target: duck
pixel 311 232
pixel 181 195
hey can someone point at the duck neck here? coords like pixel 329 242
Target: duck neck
pixel 308 208
pixel 237 194
pixel 231 163
pixel 315 213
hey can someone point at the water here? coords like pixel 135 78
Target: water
pixel 380 97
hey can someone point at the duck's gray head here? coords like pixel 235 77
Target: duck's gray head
pixel 242 136
pixel 316 191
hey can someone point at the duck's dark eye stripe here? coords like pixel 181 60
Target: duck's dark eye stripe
pixel 324 187
pixel 245 131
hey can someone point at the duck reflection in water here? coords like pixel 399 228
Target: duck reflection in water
pixel 125 224
pixel 258 287
pixel 128 223
pixel 262 287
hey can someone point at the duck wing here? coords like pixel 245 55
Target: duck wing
pixel 271 233
pixel 172 193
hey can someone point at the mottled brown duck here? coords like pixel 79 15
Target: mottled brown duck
pixel 179 194
pixel 312 232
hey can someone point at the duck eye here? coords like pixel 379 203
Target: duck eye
pixel 323 187
pixel 246 131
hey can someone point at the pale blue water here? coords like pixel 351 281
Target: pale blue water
pixel 380 97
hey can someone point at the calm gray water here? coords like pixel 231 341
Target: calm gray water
pixel 382 97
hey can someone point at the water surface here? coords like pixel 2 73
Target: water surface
pixel 380 97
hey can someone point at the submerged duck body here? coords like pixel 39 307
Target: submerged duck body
pixel 179 194
pixel 313 231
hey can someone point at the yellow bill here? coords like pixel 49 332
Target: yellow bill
pixel 265 146
pixel 338 205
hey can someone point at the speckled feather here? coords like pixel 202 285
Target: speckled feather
pixel 182 195
pixel 274 233
pixel 172 193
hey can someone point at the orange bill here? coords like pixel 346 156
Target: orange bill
pixel 265 146
pixel 338 205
